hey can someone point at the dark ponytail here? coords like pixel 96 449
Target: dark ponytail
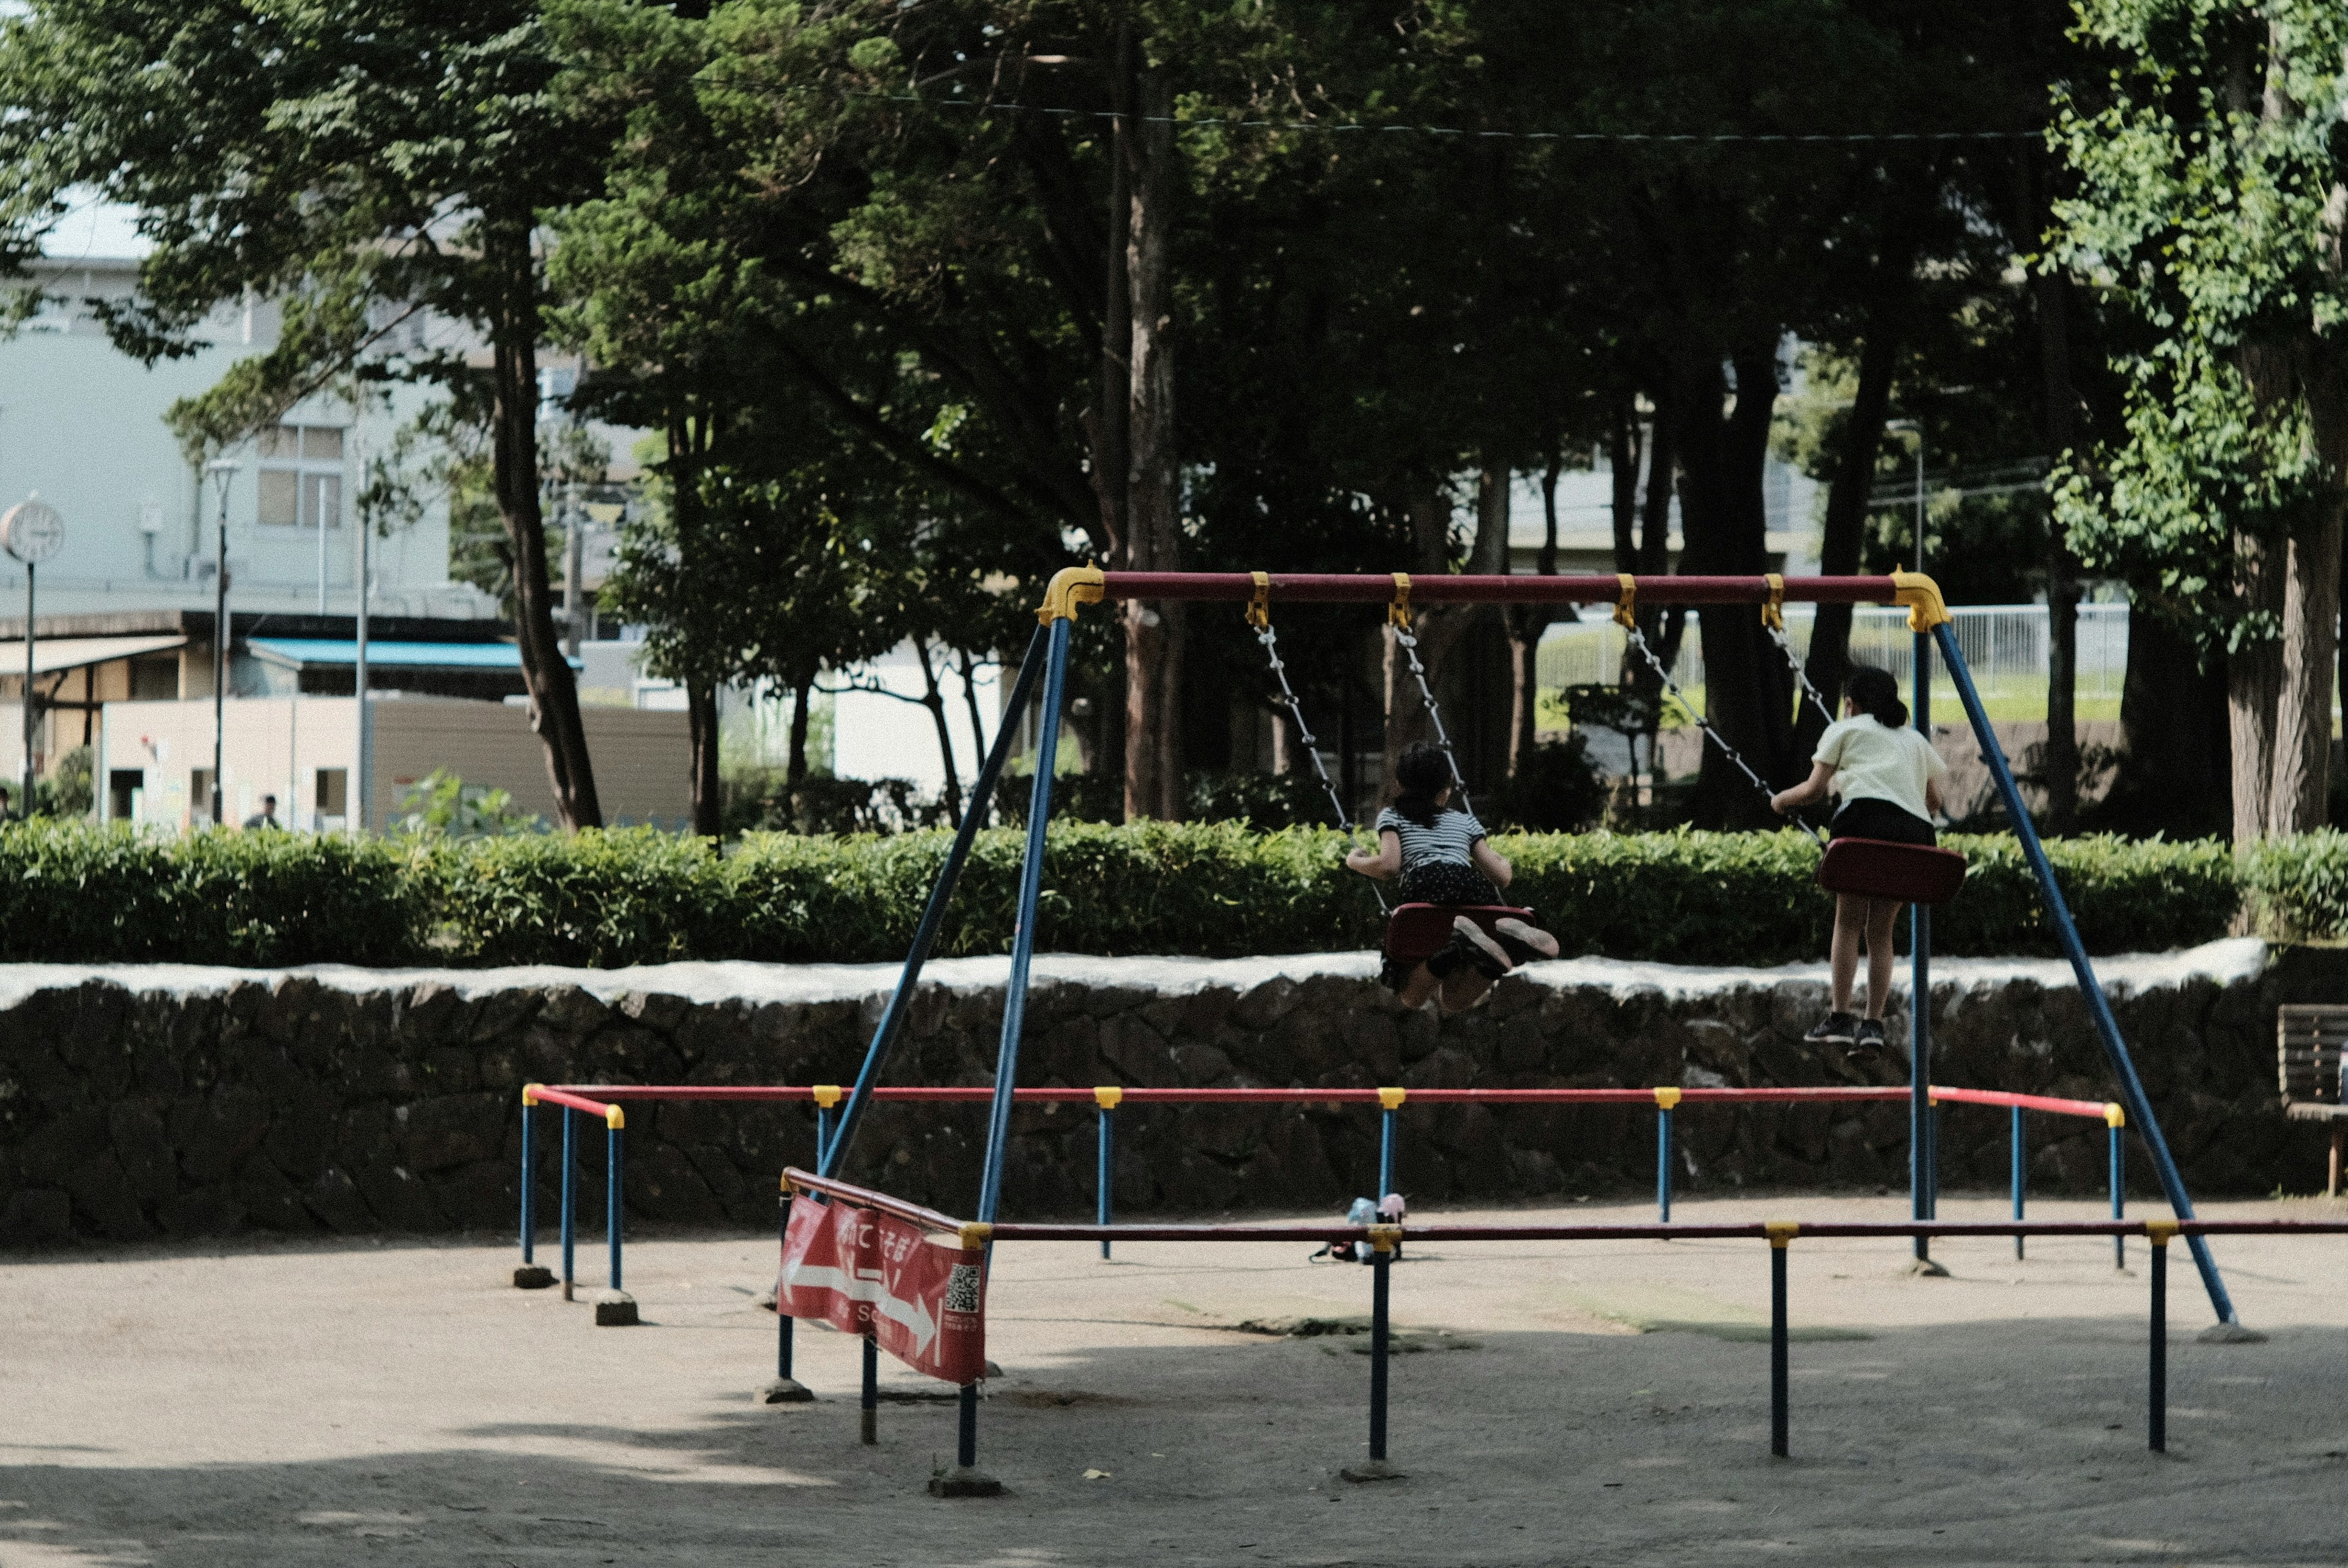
pixel 1420 774
pixel 1875 694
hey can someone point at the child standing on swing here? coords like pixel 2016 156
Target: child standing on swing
pixel 1889 778
pixel 1437 854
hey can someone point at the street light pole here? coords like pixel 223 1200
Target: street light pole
pixel 222 471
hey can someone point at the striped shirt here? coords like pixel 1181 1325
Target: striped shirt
pixel 1454 832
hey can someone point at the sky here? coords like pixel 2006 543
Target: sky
pixel 94 229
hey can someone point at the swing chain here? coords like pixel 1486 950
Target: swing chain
pixel 1409 645
pixel 1270 639
pixel 1801 675
pixel 1638 642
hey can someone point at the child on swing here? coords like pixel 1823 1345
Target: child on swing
pixel 1887 776
pixel 1436 853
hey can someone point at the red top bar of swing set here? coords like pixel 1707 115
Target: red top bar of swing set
pixel 1443 587
pixel 2095 1109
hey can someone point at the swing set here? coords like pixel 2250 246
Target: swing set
pixel 1919 878
pixel 1864 867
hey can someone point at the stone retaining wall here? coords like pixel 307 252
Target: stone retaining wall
pixel 142 1102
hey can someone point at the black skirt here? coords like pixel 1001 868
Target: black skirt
pixel 1872 817
pixel 1446 882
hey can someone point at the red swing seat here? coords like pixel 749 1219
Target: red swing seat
pixel 1416 932
pixel 1878 869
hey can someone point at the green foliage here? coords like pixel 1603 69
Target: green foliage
pixel 77 892
pixel 2298 888
pixel 1554 790
pixel 443 805
pixel 74 891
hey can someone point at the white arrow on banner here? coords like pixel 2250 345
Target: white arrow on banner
pixel 868 1287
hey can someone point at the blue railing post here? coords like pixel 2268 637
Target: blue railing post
pixel 2115 1133
pixel 570 1202
pixel 1666 1099
pixel 2157 1416
pixel 1781 1239
pixel 786 1390
pixel 2139 1106
pixel 2019 1177
pixel 826 1096
pixel 529 1186
pixel 1392 1099
pixel 1106 1096
pixel 612 1190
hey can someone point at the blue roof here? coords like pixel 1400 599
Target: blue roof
pixel 407 655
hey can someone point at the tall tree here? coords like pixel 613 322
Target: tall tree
pixel 2212 194
pixel 362 168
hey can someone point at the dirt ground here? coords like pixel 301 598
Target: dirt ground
pixel 1606 1402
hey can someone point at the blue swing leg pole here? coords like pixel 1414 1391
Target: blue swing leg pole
pixel 1104 1179
pixel 2137 1105
pixel 1921 1163
pixel 1664 1165
pixel 964 1481
pixel 2019 1168
pixel 569 1202
pixel 933 915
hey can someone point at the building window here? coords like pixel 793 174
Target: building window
pixel 333 792
pixel 124 788
pixel 301 476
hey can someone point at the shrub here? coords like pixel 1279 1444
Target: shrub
pixel 79 893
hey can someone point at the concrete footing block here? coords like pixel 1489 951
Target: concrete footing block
pixel 1925 1269
pixel 615 1309
pixel 1371 1470
pixel 964 1481
pixel 786 1391
pixel 2231 1334
pixel 532 1277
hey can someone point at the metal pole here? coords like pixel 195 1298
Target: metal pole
pixel 220 658
pixel 1104 1179
pixel 782 1318
pixel 364 799
pixel 925 936
pixel 2157 1425
pixel 1381 1281
pixel 1023 941
pixel 1779 1242
pixel 25 801
pixel 822 1133
pixel 869 1426
pixel 612 1197
pixel 1663 1166
pixel 570 1202
pixel 2117 1138
pixel 966 1428
pixel 2100 1008
pixel 529 1224
pixel 2019 1168
pixel 1386 1153
pixel 1921 1152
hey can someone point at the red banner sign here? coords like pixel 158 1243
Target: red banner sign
pixel 922 1298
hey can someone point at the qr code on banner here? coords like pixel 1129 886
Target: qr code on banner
pixel 962 1289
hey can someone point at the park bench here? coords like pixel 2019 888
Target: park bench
pixel 2308 1039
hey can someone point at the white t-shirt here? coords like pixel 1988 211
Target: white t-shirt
pixel 1874 762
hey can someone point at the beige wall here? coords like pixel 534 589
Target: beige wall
pixel 278 744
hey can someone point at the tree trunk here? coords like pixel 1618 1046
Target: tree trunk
pixel 701 728
pixel 969 668
pixel 2298 791
pixel 2058 762
pixel 1748 689
pixel 795 771
pixel 2253 681
pixel 1438 629
pixel 934 700
pixel 1828 661
pixel 514 449
pixel 1623 463
pixel 1153 632
pixel 1527 623
pixel 2174 771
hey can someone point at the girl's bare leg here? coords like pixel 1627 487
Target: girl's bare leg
pixel 1881 915
pixel 1421 985
pixel 1851 917
pixel 1464 990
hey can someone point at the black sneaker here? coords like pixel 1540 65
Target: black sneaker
pixel 1491 959
pixel 1869 1042
pixel 1837 1028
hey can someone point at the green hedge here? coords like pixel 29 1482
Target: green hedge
pixel 72 892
